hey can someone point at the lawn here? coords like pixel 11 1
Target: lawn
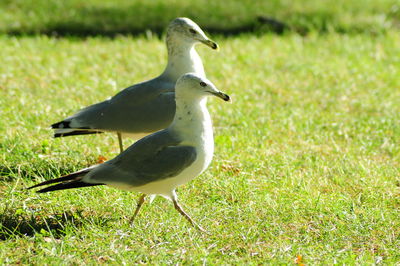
pixel 306 162
pixel 307 157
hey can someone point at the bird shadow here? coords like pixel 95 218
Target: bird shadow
pixel 18 223
pixel 14 224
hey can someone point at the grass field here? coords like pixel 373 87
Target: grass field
pixel 306 162
pixel 307 157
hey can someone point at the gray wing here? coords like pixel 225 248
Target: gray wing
pixel 155 157
pixel 142 108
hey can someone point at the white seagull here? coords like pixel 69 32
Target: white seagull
pixel 158 163
pixel 149 106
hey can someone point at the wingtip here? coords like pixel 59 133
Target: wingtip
pixel 76 132
pixel 43 190
pixel 61 124
pixel 34 186
pixel 68 185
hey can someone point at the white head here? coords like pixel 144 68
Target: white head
pixel 192 86
pixel 186 31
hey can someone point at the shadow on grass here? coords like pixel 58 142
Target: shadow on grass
pixel 138 19
pixel 14 224
pixel 260 24
pixel 69 18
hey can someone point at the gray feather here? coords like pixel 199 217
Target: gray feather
pixel 150 106
pixel 153 158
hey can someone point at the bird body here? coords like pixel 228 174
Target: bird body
pixel 193 126
pixel 148 106
pixel 131 104
pixel 158 163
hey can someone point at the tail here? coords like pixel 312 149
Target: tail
pixel 64 129
pixel 73 180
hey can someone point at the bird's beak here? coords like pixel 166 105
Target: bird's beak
pixel 221 95
pixel 210 43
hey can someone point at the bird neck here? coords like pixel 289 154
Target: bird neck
pixel 182 59
pixel 192 119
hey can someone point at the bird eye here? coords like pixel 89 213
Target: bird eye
pixel 192 31
pixel 203 84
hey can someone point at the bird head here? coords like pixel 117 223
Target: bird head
pixel 192 85
pixel 185 30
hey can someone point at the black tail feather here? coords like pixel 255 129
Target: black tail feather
pixel 61 124
pixel 76 132
pixel 73 176
pixel 67 185
pixel 66 182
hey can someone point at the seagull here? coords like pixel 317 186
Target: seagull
pixel 158 163
pixel 145 107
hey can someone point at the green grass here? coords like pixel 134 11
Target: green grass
pixel 306 160
pixel 76 17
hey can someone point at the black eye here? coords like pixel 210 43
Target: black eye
pixel 203 84
pixel 192 31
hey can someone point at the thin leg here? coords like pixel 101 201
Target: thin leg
pixel 181 211
pixel 139 204
pixel 121 147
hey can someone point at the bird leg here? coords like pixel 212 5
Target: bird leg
pixel 121 147
pixel 181 211
pixel 139 204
